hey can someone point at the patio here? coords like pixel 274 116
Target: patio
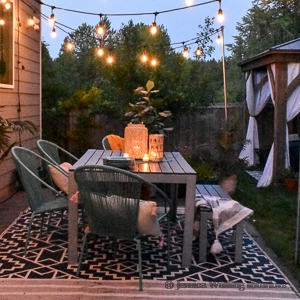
pixel 68 285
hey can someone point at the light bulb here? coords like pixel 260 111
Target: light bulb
pixel 189 2
pixel 153 28
pixel 154 62
pixel 220 16
pixel 219 40
pixel 2 22
pixel 198 51
pixel 144 58
pixel 3 1
pixel 185 53
pixel 7 5
pixel 53 33
pixel 100 30
pixel 110 59
pixel 52 20
pixel 30 22
pixel 70 46
pixel 100 51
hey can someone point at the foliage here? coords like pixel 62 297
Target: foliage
pixel 267 23
pixel 146 110
pixel 6 128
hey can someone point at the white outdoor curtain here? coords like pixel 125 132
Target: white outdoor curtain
pixel 292 110
pixel 257 95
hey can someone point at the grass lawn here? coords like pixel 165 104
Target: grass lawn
pixel 275 211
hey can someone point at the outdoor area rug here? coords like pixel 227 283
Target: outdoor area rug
pixel 47 258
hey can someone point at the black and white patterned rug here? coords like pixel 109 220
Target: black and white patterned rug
pixel 47 257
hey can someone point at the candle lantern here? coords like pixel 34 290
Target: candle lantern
pixel 136 140
pixel 156 147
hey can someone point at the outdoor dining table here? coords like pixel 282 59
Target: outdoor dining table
pixel 173 169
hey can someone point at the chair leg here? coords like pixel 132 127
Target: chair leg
pixel 81 253
pixel 168 246
pixel 28 234
pixel 140 265
pixel 203 235
pixel 42 224
pixel 239 242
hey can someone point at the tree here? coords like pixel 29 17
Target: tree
pixel 267 23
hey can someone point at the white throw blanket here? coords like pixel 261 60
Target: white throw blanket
pixel 226 214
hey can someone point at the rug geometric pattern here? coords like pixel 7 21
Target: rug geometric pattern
pixel 47 257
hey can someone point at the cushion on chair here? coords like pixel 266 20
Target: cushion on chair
pixel 60 179
pixel 147 219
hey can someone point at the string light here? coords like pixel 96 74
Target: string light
pixel 198 52
pixel 52 17
pixel 53 32
pixel 110 59
pixel 220 13
pixel 185 52
pixel 30 22
pixel 219 40
pixel 154 62
pixel 144 58
pixel 7 5
pixel 70 46
pixel 153 29
pixel 100 29
pixel 100 51
pixel 2 22
pixel 189 2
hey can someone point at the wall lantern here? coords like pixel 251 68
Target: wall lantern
pixel 136 140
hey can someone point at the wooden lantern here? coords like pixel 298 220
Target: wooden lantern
pixel 156 147
pixel 136 140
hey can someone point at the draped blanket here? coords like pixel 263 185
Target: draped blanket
pixel 226 212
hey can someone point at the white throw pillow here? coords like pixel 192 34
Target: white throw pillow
pixel 60 179
pixel 147 220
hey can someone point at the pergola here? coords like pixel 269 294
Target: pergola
pixel 272 75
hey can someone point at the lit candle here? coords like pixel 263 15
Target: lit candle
pixel 125 155
pixel 146 157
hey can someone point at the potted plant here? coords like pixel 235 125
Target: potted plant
pixel 6 128
pixel 146 111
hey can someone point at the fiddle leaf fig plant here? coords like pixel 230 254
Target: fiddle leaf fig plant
pixel 146 111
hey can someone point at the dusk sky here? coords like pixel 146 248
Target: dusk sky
pixel 182 25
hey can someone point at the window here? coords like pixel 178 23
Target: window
pixel 6 44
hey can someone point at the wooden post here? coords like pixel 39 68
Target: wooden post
pixel 280 99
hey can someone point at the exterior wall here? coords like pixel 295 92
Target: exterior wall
pixel 23 101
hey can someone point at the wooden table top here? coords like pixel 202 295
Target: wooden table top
pixel 172 163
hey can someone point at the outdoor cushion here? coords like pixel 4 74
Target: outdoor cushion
pixel 147 218
pixel 60 179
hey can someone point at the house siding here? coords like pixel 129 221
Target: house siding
pixel 23 101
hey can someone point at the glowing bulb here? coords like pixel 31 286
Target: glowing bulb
pixel 51 20
pixel 198 51
pixel 30 22
pixel 219 40
pixel 110 59
pixel 144 58
pixel 189 2
pixel 220 16
pixel 70 46
pixel 100 30
pixel 53 33
pixel 3 1
pixel 153 28
pixel 2 22
pixel 154 62
pixel 185 53
pixel 100 51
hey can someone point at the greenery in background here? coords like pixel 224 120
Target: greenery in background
pixel 275 211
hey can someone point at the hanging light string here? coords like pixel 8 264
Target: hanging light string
pixel 127 14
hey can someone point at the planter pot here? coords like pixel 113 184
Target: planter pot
pixel 291 184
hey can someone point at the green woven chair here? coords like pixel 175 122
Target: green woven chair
pixel 111 199
pixel 40 200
